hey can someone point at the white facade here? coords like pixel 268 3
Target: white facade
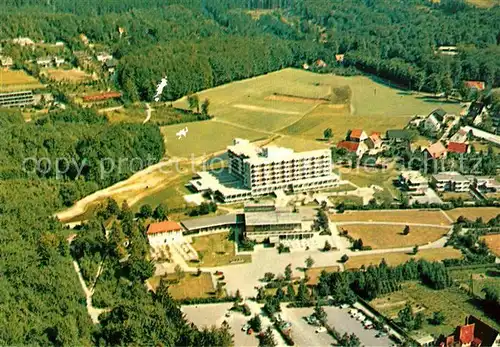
pixel 451 181
pixel 414 182
pixel 165 238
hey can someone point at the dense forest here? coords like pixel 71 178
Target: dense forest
pixel 203 43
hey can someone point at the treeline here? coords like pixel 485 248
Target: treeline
pixel 42 302
pixel 77 144
pixel 382 279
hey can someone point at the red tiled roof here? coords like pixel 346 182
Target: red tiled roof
pixel 349 145
pixel 356 134
pixel 375 137
pixel 456 147
pixel 475 84
pixel 102 96
pixel 339 57
pixel 436 150
pixel 450 340
pixel 466 333
pixel 163 227
pixel 477 341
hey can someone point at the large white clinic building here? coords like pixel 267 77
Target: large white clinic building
pixel 254 171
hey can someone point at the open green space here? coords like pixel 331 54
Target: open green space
pixel 204 138
pixel 475 280
pixel 217 250
pixel 190 286
pixel 453 302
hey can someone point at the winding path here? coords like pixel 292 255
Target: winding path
pixel 148 113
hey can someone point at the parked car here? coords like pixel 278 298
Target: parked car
pixel 361 318
pixel 245 327
pixel 250 331
pixel 344 306
pixel 353 312
pixel 285 325
pixel 228 314
pixel 320 330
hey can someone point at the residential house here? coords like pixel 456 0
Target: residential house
pixel 457 147
pixel 357 135
pixel 339 58
pixel 451 181
pixel 474 333
pixel 460 136
pixel 447 50
pixel 413 182
pixel 478 85
pixel 398 135
pixel 44 61
pixel 164 233
pixel 320 63
pixel 354 147
pixel 103 57
pixel 435 119
pixel 435 151
pixel 374 141
pixel 6 61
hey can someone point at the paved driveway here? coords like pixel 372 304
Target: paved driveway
pixel 304 334
pixel 343 323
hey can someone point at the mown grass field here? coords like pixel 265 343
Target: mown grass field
pixel 453 302
pixel 486 213
pixel 398 216
pixel 280 102
pixel 217 250
pixel 14 80
pixel 396 258
pixel 204 138
pixel 189 287
pixel 484 3
pixel 493 242
pixel 380 236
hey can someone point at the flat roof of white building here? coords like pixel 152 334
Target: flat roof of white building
pixel 268 154
pixel 272 218
pixel 450 176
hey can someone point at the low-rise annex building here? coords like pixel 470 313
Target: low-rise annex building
pixel 164 233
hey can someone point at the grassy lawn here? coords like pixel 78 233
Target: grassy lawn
pixel 396 258
pixel 452 195
pixel 299 144
pixel 483 3
pixel 477 279
pixel 454 303
pixel 12 80
pixel 493 242
pixel 217 250
pixel 399 216
pixel 191 286
pixel 204 138
pixel 380 236
pixel 486 213
pixel 258 103
pixel 341 188
pixel 348 200
pixel 366 177
pixel 314 273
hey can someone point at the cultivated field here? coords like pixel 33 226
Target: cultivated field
pixel 396 258
pixel 486 213
pixel 314 273
pixel 13 80
pixel 493 242
pixel 454 303
pixel 191 286
pixel 204 138
pixel 398 216
pixel 217 250
pixel 380 236
pixel 70 76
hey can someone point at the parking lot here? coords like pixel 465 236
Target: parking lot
pixel 340 319
pixel 303 334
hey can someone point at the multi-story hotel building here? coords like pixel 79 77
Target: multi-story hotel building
pixel 258 171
